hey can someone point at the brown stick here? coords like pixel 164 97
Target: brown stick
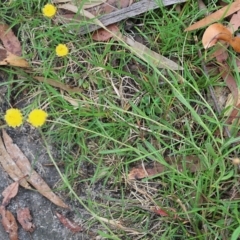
pixel 131 11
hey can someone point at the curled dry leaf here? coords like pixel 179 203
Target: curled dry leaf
pixel 160 211
pixel 235 44
pixel 9 223
pixel 9 40
pixel 216 32
pixel 142 172
pixel 170 212
pixel 74 227
pixel 103 35
pixel 25 219
pixel 9 193
pixel 33 177
pixel 7 58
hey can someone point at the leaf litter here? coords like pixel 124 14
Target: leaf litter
pixel 135 47
pixel 9 40
pixel 9 193
pixel 11 167
pixel 9 223
pixel 9 59
pixel 193 164
pixel 11 51
pixel 216 16
pixel 19 168
pixel 12 191
pixel 25 219
pixel 217 33
pixel 33 177
pixel 73 226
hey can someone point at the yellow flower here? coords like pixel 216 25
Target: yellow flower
pixel 49 10
pixel 13 117
pixel 37 117
pixel 61 50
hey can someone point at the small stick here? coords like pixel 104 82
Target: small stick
pixel 131 11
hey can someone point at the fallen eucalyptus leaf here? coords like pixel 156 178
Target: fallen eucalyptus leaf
pixel 33 177
pixel 9 193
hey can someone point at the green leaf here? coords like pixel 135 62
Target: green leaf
pixel 236 234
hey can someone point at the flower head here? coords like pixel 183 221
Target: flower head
pixel 49 10
pixel 13 117
pixel 62 50
pixel 37 117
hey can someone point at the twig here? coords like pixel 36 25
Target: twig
pixel 131 11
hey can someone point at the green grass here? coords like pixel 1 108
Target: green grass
pixel 131 112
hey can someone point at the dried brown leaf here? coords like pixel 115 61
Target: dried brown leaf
pixel 74 227
pixel 9 223
pixel 7 58
pixel 160 211
pixel 216 16
pixel 217 32
pixel 192 163
pixel 11 167
pixel 235 44
pixel 148 55
pixel 230 81
pixel 214 33
pixel 103 35
pixel 9 193
pixel 9 40
pixel 25 219
pixel 57 84
pixel 234 23
pixel 167 212
pixel 221 53
pixel 33 177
